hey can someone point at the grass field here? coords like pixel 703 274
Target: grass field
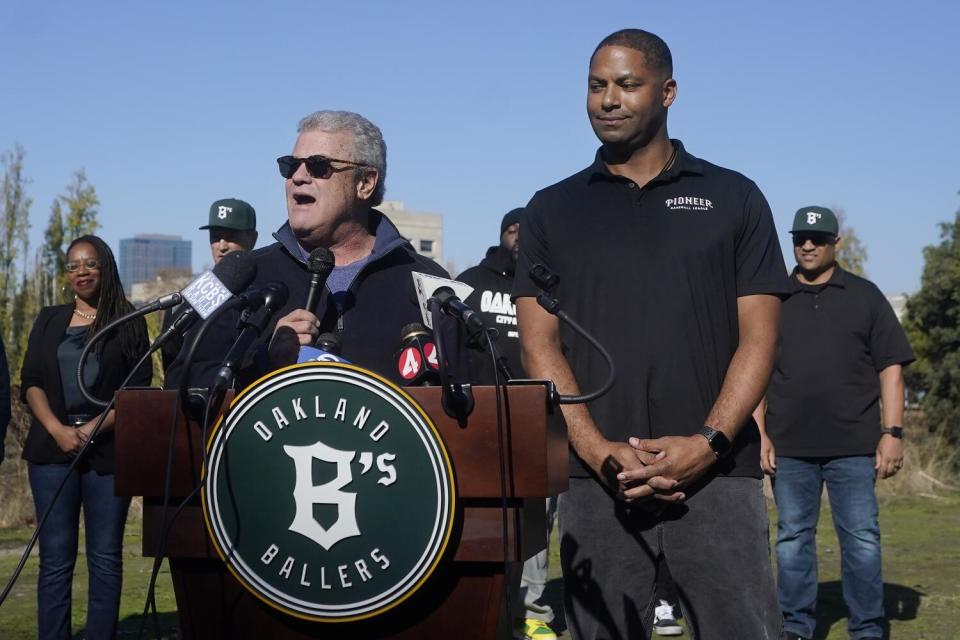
pixel 921 546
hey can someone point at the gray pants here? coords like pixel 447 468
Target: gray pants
pixel 533 580
pixel 717 546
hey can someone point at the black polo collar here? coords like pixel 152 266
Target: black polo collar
pixel 685 163
pixel 837 279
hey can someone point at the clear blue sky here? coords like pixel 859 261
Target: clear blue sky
pixel 171 105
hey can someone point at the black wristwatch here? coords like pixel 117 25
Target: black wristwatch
pixel 717 441
pixel 896 432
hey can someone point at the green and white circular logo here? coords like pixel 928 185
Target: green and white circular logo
pixel 328 492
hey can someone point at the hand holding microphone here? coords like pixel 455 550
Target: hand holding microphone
pixel 300 327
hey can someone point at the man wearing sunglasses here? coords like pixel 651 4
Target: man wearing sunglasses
pixel 333 179
pixel 841 350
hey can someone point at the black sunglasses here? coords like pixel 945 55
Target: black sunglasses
pixel 317 166
pixel 818 239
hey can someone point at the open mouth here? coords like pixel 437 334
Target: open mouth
pixel 302 198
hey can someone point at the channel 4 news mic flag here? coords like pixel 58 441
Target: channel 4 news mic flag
pixel 388 499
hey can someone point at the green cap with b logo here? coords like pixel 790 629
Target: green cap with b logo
pixel 818 219
pixel 232 214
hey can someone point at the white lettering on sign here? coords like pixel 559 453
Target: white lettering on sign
pixel 206 294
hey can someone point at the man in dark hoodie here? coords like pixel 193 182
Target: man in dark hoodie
pixel 334 178
pixel 492 280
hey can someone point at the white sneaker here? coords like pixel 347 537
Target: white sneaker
pixel 664 624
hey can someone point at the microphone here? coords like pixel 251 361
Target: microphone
pixel 210 290
pixel 326 349
pixel 275 295
pixel 417 360
pixel 454 307
pixel 319 264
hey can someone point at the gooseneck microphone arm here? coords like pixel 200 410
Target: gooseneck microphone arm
pixel 96 338
pixel 547 280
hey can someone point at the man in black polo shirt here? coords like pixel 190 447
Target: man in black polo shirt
pixel 673 264
pixel 841 349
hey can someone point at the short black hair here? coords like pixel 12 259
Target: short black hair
pixel 652 46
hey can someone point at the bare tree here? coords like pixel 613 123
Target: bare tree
pixel 852 253
pixel 14 227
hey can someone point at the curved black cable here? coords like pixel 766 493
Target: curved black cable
pixel 142 311
pixel 63 483
pixel 181 401
pixel 501 458
pixel 552 306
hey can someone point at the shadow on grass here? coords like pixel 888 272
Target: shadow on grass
pixel 168 622
pixel 899 603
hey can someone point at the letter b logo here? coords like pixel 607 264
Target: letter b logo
pixel 812 217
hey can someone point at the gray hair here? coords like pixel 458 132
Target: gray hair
pixel 368 145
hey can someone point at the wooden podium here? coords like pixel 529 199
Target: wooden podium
pixel 464 596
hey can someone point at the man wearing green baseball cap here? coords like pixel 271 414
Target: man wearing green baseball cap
pixel 233 227
pixel 232 224
pixel 838 378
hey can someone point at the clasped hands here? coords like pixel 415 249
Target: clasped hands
pixel 655 469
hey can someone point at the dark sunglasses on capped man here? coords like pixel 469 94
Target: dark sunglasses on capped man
pixel 818 239
pixel 89 264
pixel 317 166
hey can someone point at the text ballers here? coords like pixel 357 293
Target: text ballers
pixel 328 492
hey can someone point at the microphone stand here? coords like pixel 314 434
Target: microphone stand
pixel 455 398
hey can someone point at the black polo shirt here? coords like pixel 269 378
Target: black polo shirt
pixel 654 273
pixel 824 395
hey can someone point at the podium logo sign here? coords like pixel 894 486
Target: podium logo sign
pixel 328 492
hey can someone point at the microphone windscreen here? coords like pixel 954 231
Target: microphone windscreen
pixel 236 271
pixel 321 260
pixel 413 329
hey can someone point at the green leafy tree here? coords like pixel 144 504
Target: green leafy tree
pixel 852 253
pixel 53 258
pixel 933 325
pixel 80 207
pixel 14 227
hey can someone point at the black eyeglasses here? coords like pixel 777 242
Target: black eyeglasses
pixel 89 264
pixel 818 239
pixel 317 166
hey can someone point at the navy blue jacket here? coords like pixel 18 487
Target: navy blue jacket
pixel 380 302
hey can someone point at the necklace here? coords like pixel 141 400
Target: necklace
pixel 85 316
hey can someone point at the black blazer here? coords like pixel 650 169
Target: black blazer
pixel 42 369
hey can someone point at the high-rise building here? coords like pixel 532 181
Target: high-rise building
pixel 423 230
pixel 143 255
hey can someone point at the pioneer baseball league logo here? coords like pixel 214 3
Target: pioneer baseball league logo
pixel 328 492
pixel 688 203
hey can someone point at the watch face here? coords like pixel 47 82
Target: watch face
pixel 717 439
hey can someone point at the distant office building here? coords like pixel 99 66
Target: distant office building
pixel 423 230
pixel 144 255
